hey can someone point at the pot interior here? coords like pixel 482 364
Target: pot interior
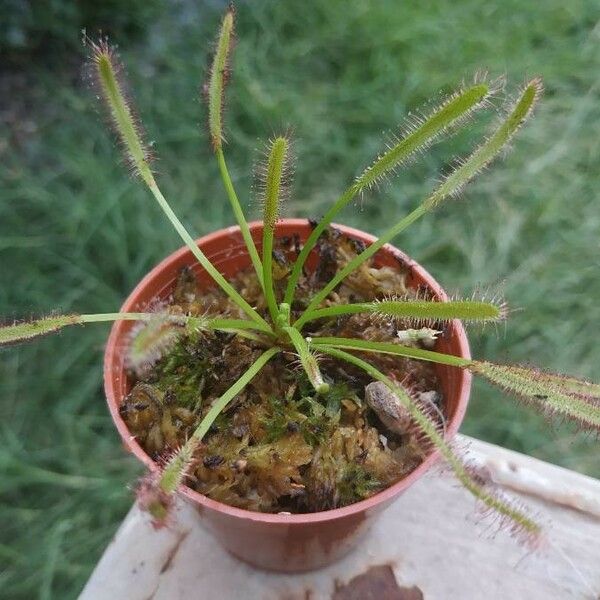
pixel 227 252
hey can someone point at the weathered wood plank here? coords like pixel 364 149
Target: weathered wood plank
pixel 430 537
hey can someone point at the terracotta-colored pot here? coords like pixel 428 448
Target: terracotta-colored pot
pixel 280 542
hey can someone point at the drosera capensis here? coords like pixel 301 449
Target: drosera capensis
pixel 282 329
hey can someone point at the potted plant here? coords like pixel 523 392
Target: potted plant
pixel 290 377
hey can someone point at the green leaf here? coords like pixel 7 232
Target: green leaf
pixel 159 326
pixel 148 342
pixel 218 77
pixel 416 311
pixel 452 113
pixel 451 186
pixel 391 348
pixel 308 360
pixel 466 310
pixel 29 330
pixel 274 176
pixel 492 147
pixel 511 515
pixel 423 131
pixel 549 393
pixel 129 131
pixel 177 466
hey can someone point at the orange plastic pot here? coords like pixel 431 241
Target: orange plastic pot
pixel 280 542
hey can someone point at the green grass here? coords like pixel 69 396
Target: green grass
pixel 76 233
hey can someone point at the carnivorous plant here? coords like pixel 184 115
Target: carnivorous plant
pixel 283 328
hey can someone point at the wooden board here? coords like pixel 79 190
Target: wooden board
pixel 428 544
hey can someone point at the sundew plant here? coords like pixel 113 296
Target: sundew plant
pixel 283 329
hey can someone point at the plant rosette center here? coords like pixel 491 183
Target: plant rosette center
pixel 303 435
pixel 286 391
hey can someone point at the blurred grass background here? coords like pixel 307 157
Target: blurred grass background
pixel 76 233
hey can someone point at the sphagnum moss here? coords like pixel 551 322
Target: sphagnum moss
pixel 261 452
pixel 279 335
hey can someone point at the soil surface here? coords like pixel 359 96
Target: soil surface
pixel 279 446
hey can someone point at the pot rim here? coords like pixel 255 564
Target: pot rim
pixel 388 494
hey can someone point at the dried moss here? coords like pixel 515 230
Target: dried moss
pixel 279 446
